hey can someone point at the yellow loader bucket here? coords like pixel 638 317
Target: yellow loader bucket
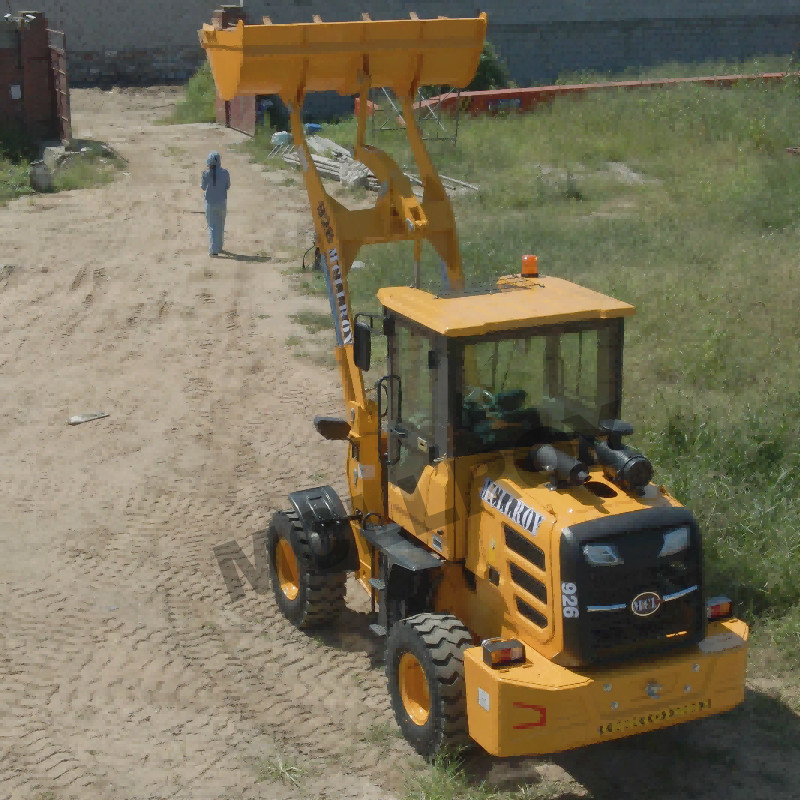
pixel 331 56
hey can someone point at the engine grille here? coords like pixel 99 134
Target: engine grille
pixel 614 632
pixel 523 578
pixel 607 629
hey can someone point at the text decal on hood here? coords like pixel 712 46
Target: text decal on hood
pixel 511 507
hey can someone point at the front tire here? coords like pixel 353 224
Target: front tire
pixel 425 673
pixel 306 598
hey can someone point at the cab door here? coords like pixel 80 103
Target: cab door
pixel 411 423
pixel 420 479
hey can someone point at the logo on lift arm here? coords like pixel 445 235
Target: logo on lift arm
pixel 511 507
pixel 335 281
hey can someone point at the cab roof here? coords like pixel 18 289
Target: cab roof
pixel 516 303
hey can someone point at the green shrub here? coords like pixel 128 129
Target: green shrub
pixel 13 179
pixel 15 144
pixel 199 100
pixel 16 152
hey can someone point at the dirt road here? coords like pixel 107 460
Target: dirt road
pixel 141 654
pixel 128 670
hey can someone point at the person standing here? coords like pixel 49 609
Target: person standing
pixel 215 183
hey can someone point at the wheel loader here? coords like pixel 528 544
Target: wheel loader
pixel 536 590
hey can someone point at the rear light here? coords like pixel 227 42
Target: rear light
pixel 719 608
pixel 502 652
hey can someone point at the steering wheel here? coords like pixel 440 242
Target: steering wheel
pixel 480 396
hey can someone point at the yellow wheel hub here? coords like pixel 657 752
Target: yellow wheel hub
pixel 414 689
pixel 286 565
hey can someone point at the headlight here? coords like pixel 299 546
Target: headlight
pixel 602 555
pixel 675 541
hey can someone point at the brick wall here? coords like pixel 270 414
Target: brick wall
pixel 151 41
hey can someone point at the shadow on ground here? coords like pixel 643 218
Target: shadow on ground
pixel 242 257
pixel 95 147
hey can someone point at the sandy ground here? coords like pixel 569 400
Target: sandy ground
pixel 141 653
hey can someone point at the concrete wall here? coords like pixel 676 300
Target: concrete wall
pixel 149 41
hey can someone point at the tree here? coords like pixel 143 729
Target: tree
pixel 492 72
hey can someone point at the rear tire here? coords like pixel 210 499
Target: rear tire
pixel 306 598
pixel 425 673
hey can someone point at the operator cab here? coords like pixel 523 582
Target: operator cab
pixel 483 373
pixel 539 361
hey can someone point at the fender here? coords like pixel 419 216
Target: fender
pixel 325 543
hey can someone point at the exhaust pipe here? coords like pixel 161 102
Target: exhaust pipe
pixel 563 467
pixel 624 466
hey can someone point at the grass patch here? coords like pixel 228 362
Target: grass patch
pixel 198 104
pixel 93 167
pixel 14 180
pixel 447 779
pixel 314 285
pixel 314 321
pixel 259 147
pixel 16 153
pixel 280 769
pixel 683 202
pixel 86 170
pixel 751 66
pixel 704 243
pixel 382 734
pixel 304 278
pixel 444 779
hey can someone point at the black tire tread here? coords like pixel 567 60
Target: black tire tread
pixel 445 638
pixel 321 596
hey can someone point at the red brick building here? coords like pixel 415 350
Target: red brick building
pixel 34 92
pixel 239 113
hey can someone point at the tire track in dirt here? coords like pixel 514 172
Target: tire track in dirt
pixel 129 670
pixel 128 667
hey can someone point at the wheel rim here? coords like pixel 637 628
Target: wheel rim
pixel 414 689
pixel 286 565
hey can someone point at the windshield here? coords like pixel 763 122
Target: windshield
pixel 541 385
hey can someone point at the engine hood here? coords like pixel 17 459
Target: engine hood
pixel 527 498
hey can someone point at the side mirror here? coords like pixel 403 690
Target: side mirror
pixel 362 345
pixel 332 428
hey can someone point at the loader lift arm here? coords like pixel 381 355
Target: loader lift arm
pixel 351 57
